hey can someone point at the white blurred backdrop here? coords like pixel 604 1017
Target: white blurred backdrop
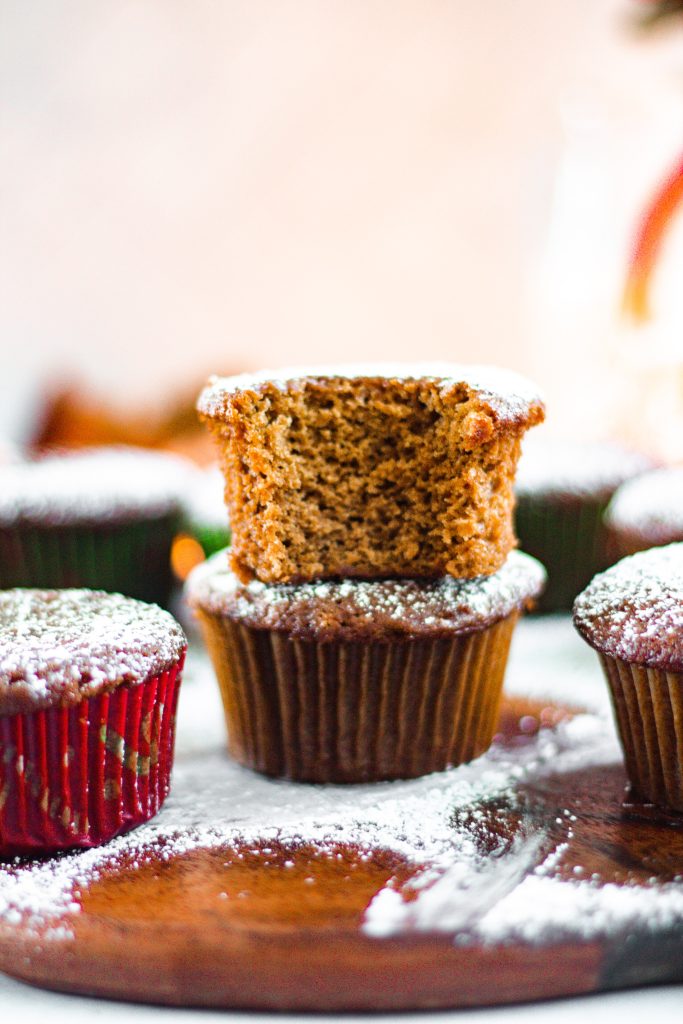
pixel 189 187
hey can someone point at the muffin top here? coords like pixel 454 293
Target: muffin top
pixel 634 611
pixel 511 398
pixel 563 469
pixel 649 507
pixel 92 485
pixel 367 609
pixel 58 647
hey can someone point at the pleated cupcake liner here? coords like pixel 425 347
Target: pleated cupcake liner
pixel 132 558
pixel 569 539
pixel 79 776
pixel 345 712
pixel 648 706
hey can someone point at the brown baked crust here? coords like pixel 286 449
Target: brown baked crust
pixel 634 611
pixel 58 647
pixel 368 475
pixel 367 610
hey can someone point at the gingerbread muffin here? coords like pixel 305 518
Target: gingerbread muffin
pixel 370 471
pixel 562 490
pixel 357 680
pixel 101 518
pixel 88 692
pixel 633 616
pixel 646 512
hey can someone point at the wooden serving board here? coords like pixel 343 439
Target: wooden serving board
pixel 251 914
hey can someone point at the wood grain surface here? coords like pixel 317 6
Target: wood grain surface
pixel 289 935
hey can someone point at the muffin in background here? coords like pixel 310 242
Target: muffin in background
pixel 205 517
pixel 370 471
pixel 646 512
pixel 632 615
pixel 88 693
pixel 360 680
pixel 100 518
pixel 562 489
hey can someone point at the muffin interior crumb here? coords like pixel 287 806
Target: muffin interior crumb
pixel 367 477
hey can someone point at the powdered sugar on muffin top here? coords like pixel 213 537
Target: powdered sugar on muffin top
pixel 634 611
pixel 92 485
pixel 510 396
pixel 560 468
pixel 59 647
pixel 367 607
pixel 650 506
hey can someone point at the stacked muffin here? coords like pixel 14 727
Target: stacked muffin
pixel 362 628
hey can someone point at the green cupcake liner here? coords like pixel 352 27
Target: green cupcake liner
pixel 569 538
pixel 131 558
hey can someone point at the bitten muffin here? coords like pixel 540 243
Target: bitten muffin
pixel 356 680
pixel 562 491
pixel 101 518
pixel 633 616
pixel 646 512
pixel 370 471
pixel 88 692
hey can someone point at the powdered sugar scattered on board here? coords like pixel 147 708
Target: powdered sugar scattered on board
pixel 508 894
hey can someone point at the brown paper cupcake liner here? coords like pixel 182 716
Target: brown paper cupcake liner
pixel 357 711
pixel 80 775
pixel 648 705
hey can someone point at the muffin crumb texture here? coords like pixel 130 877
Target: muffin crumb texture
pixel 367 476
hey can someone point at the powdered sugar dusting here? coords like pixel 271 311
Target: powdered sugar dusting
pixel 511 893
pixel 412 607
pixel 508 394
pixel 59 647
pixel 634 611
pixel 562 468
pixel 94 484
pixel 651 506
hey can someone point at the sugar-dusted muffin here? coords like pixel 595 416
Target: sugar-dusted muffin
pixel 101 518
pixel 646 512
pixel 632 615
pixel 88 691
pixel 562 489
pixel 370 471
pixel 357 680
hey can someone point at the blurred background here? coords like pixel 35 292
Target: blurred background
pixel 188 188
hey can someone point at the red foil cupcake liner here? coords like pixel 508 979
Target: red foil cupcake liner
pixel 78 776
pixel 648 706
pixel 357 711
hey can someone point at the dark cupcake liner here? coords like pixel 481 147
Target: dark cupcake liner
pixel 132 558
pixel 569 538
pixel 357 711
pixel 648 706
pixel 78 776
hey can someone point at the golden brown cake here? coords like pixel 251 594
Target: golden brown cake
pixel 632 615
pixel 370 471
pixel 360 680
